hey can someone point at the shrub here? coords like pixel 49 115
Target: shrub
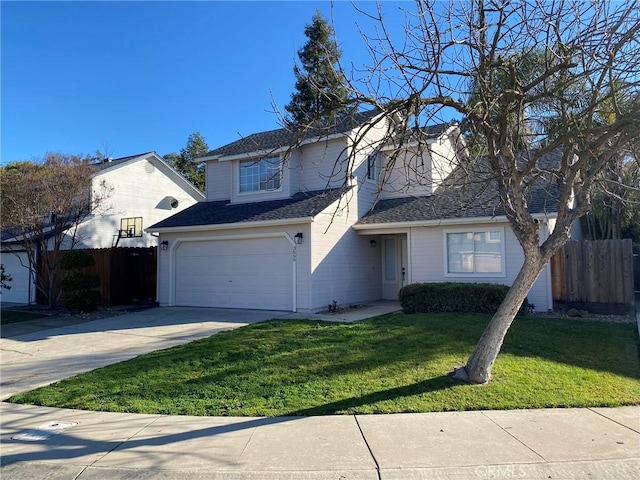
pixel 454 297
pixel 78 287
pixel 73 260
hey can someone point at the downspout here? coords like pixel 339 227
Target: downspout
pixel 294 261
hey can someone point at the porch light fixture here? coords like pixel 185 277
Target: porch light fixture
pixel 298 238
pixel 373 243
pixel 164 245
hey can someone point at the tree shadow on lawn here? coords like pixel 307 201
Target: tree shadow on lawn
pixel 330 355
pixel 314 352
pixel 442 382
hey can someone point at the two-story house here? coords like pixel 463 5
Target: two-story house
pixel 338 215
pixel 137 191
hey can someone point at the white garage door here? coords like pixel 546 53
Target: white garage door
pixel 246 273
pixel 19 284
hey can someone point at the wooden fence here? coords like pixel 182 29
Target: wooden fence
pixel 127 275
pixel 594 275
pixel 636 268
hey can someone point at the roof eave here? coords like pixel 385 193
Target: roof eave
pixel 230 226
pixel 371 228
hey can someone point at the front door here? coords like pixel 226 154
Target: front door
pixel 394 265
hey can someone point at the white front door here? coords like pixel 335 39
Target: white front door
pixel 395 273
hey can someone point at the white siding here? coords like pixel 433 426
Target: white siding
pixel 408 174
pixel 318 161
pixel 443 159
pixel 344 267
pixel 218 180
pixel 139 189
pixel 294 167
pixel 428 257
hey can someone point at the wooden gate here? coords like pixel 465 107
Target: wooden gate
pixel 594 275
pixel 127 275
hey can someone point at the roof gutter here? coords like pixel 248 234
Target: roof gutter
pixel 368 228
pixel 230 226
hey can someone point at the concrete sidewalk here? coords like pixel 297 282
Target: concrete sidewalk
pixel 597 443
pixel 38 442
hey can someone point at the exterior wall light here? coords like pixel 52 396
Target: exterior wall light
pixel 164 245
pixel 298 238
pixel 373 243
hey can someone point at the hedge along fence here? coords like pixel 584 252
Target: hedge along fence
pixel 454 297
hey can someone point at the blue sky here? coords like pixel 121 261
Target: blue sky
pixel 130 77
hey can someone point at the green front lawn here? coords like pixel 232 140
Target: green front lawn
pixel 13 316
pixel 394 363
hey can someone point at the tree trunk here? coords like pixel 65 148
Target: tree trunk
pixel 478 368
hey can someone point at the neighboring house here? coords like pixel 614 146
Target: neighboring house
pixel 143 189
pixel 288 223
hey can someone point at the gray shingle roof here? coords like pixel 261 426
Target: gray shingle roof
pixel 284 137
pixel 110 163
pixel 469 194
pixel 287 136
pixel 301 205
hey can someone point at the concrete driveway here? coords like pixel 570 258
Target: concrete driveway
pixel 44 351
pixel 46 355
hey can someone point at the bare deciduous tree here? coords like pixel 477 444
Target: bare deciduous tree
pixel 579 98
pixel 43 204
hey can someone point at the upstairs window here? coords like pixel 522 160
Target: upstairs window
pixel 372 167
pixel 260 175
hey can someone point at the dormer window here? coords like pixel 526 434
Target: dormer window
pixel 260 175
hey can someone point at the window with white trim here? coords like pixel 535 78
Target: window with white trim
pixel 260 175
pixel 477 252
pixel 372 166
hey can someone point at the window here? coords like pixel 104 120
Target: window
pixel 260 175
pixel 372 166
pixel 477 252
pixel 390 260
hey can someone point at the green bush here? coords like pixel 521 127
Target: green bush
pixel 78 287
pixel 84 300
pixel 454 297
pixel 80 281
pixel 73 260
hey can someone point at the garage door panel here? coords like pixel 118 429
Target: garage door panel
pixel 254 273
pixel 20 289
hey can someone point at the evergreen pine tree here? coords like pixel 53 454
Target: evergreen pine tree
pixel 184 163
pixel 320 91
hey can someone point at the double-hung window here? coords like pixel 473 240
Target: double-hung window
pixel 260 175
pixel 479 252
